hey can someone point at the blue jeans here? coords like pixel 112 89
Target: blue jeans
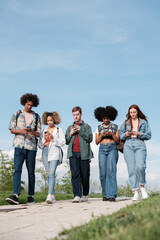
pixel 50 168
pixel 80 173
pixel 135 154
pixel 20 155
pixel 108 158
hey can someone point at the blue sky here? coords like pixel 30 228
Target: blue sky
pixel 87 53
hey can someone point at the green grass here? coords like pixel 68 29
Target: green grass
pixel 39 197
pixel 140 221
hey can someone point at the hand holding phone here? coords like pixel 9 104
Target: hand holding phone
pixel 28 129
pixel 74 126
pixel 46 134
pixel 128 133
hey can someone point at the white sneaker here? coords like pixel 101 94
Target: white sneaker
pixel 144 193
pixel 135 197
pixel 50 199
pixel 85 198
pixel 76 199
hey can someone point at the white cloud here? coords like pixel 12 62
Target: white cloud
pixel 48 8
pixel 95 27
pixel 14 60
pixel 153 147
pixel 10 153
pixel 153 176
pixel 110 36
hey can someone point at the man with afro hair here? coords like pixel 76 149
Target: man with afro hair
pixel 26 126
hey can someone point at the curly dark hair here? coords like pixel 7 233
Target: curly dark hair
pixel 105 112
pixel 54 115
pixel 30 97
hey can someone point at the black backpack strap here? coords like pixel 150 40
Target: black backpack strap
pixel 35 129
pixel 17 115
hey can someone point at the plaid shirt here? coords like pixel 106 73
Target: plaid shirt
pixel 27 141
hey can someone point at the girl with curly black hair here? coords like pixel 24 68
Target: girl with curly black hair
pixel 51 140
pixel 107 135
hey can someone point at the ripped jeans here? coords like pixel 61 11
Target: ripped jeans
pixel 50 168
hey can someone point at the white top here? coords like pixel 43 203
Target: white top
pixel 54 148
pixel 135 129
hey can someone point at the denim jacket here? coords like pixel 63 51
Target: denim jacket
pixel 144 129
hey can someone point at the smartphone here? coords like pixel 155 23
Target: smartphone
pixel 74 126
pixel 28 128
pixel 46 132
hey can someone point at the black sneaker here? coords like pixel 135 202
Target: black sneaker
pixel 30 199
pixel 105 199
pixel 13 199
pixel 111 199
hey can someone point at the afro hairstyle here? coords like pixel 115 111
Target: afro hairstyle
pixel 54 115
pixel 30 97
pixel 105 112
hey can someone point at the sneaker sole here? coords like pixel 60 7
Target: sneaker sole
pixel 50 202
pixel 75 201
pixel 11 201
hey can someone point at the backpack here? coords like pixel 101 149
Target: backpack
pixel 60 160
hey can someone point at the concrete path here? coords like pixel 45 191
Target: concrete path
pixel 41 221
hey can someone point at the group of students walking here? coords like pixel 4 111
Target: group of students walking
pixel 26 125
